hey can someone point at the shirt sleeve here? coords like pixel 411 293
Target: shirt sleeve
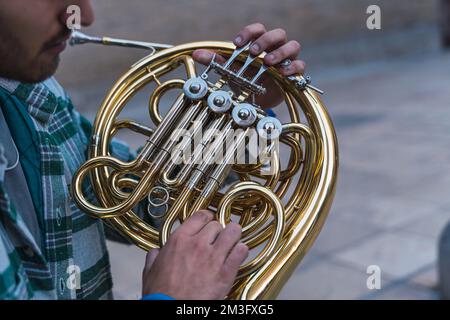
pixel 157 296
pixel 14 283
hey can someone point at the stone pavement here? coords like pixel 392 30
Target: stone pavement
pixel 393 124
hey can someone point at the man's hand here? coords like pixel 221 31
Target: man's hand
pixel 200 260
pixel 278 48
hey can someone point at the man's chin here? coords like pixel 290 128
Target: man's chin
pixel 45 71
pixel 36 72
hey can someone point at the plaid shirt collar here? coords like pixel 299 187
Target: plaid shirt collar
pixel 41 101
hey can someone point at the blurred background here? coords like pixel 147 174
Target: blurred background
pixel 388 94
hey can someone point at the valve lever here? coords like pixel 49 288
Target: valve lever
pixel 260 73
pixel 235 54
pixel 247 63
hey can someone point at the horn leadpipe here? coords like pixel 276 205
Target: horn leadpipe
pixel 81 38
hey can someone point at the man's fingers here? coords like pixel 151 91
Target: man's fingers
pixel 250 32
pixel 227 239
pixel 289 50
pixel 210 232
pixel 195 223
pixel 204 56
pixel 296 67
pixel 268 40
pixel 237 255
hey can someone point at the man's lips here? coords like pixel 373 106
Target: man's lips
pixel 57 48
pixel 58 45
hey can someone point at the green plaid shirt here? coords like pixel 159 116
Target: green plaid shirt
pixel 72 261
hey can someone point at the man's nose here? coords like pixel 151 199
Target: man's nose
pixel 86 12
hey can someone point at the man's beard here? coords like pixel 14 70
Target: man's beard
pixel 15 64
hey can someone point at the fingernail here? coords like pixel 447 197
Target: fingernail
pixel 255 47
pixel 270 57
pixel 205 56
pixel 238 40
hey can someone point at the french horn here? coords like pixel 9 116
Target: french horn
pixel 281 199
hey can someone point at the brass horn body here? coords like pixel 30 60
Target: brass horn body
pixel 281 213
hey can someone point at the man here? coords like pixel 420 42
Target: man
pixel 48 248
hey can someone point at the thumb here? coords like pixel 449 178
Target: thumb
pixel 204 56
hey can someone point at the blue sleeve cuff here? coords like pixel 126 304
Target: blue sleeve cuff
pixel 157 296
